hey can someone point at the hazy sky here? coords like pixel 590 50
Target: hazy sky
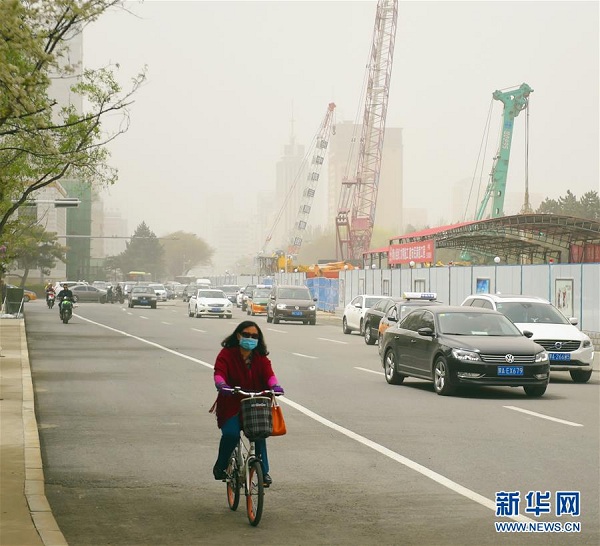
pixel 224 77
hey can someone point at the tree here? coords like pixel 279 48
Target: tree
pixel 587 207
pixel 41 141
pixel 184 251
pixel 36 248
pixel 143 253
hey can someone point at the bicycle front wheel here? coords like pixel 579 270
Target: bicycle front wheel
pixel 255 493
pixel 233 482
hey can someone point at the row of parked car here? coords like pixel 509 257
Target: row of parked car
pixel 491 339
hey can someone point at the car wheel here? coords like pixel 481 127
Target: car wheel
pixel 190 314
pixel 441 377
pixel 345 328
pixel 361 328
pixel 131 306
pixel 153 306
pixel 580 376
pixel 196 314
pixel 313 322
pixel 535 391
pixel 275 320
pixel 369 337
pixel 389 368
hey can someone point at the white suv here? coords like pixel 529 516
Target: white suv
pixel 569 349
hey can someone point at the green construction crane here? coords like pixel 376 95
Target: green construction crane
pixel 514 101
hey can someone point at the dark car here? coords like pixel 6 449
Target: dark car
pixel 293 303
pixel 87 293
pixel 142 295
pixel 453 347
pixel 189 291
pixel 231 291
pixel 387 312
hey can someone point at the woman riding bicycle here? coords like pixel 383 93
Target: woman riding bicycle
pixel 242 362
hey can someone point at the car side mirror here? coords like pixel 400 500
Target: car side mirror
pixel 425 331
pixel 527 334
pixel 272 297
pixel 574 321
pixel 358 305
pixel 315 299
pixel 392 319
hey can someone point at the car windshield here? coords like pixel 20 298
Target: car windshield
pixel 261 293
pixel 528 312
pixel 476 324
pixel 369 302
pixel 211 294
pixel 157 286
pixel 294 294
pixel 140 289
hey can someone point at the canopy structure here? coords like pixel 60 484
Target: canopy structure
pixel 522 238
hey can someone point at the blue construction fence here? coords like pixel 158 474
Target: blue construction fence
pixel 326 291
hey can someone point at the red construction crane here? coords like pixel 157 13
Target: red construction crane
pixel 358 196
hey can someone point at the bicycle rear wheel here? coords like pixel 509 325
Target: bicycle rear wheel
pixel 233 481
pixel 255 494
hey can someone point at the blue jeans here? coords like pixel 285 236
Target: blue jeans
pixel 230 436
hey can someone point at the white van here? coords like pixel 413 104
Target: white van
pixel 203 283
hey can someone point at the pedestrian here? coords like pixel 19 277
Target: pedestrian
pixel 242 362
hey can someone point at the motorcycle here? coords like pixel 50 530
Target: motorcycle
pixel 66 311
pixel 50 299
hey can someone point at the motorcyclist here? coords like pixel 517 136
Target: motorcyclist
pixel 65 294
pixel 50 290
pixel 119 293
pixel 109 294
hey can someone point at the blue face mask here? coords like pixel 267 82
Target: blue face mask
pixel 248 343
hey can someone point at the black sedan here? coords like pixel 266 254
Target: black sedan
pixel 86 293
pixel 451 347
pixel 142 295
pixel 389 311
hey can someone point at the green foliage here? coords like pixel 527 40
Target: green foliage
pixel 184 251
pixel 42 141
pixel 143 253
pixel 31 247
pixel 587 207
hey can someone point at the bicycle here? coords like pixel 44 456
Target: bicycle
pixel 245 469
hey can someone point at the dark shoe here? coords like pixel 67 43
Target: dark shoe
pixel 267 480
pixel 219 474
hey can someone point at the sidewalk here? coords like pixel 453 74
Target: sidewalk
pixel 26 518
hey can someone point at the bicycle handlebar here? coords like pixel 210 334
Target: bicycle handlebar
pixel 238 390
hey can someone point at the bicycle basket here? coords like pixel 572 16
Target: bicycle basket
pixel 257 420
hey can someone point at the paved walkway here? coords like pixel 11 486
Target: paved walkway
pixel 25 515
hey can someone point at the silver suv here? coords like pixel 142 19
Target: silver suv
pixel 290 302
pixel 569 349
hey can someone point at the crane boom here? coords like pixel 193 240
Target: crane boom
pixel 514 102
pixel 312 179
pixel 358 197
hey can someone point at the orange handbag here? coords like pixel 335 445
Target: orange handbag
pixel 279 428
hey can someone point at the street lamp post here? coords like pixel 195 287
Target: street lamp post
pixel 496 262
pixel 411 264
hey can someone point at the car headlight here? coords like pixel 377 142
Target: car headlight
pixel 541 357
pixel 312 307
pixel 281 306
pixel 586 343
pixel 228 305
pixel 463 354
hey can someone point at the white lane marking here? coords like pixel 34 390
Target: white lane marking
pixel 333 340
pixel 278 331
pixel 438 478
pixel 305 356
pixel 423 470
pixel 142 316
pixel 162 347
pixel 542 416
pixel 167 323
pixel 201 331
pixel 370 371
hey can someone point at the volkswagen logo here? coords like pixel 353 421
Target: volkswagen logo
pixel 509 358
pixel 558 345
pixel 297 308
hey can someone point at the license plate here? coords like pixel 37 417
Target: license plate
pixel 559 356
pixel 143 301
pixel 510 370
pixel 215 310
pixel 297 313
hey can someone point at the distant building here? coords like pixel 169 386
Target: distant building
pixel 342 161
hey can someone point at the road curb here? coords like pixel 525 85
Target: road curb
pixel 40 510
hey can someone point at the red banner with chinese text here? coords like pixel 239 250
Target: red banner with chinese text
pixel 417 252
